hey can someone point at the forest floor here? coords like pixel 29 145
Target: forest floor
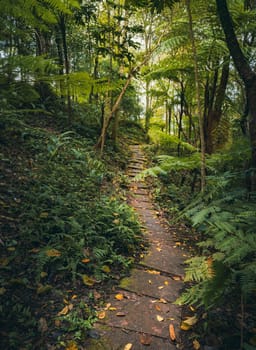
pixel 140 311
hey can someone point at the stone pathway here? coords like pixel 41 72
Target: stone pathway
pixel 141 311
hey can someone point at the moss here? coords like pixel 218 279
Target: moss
pixel 125 283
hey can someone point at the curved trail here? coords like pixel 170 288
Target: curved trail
pixel 145 312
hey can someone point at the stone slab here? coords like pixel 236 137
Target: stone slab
pixel 140 314
pixel 151 284
pixel 116 339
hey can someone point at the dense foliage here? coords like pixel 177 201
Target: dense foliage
pixel 75 77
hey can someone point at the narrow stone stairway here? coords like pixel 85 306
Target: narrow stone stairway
pixel 140 314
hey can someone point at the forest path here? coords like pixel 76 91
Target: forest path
pixel 142 308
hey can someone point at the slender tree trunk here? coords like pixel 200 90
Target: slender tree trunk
pixel 199 109
pixel 62 24
pixel 245 71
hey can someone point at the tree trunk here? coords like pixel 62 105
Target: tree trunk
pixel 215 108
pixel 199 109
pixel 245 71
pixel 63 30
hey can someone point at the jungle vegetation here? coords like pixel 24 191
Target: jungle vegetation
pixel 79 81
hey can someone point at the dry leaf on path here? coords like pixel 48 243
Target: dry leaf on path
pixel 145 339
pixel 128 346
pixel 120 314
pixel 172 332
pixel 101 315
pixel 159 318
pixel 119 296
pixel 153 272
pixel 157 307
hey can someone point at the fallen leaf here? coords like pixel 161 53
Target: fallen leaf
pixel 71 346
pixel 162 301
pixel 43 274
pixel 172 332
pixel 101 315
pixel 184 326
pixel 52 252
pixel 119 296
pixel 128 346
pixel 145 339
pixel 34 250
pixel 176 278
pixel 196 344
pixel 191 320
pixel 73 297
pixel 159 249
pixel 106 269
pixel 86 261
pixel 112 308
pixel 88 281
pixel 159 318
pixel 166 283
pixel 120 314
pixel 153 272
pixel 157 307
pixel 64 311
pixel 149 281
pixel 160 287
pixel 107 306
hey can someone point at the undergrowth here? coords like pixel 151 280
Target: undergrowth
pixel 221 277
pixel 65 232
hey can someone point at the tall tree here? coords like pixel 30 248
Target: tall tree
pixel 246 72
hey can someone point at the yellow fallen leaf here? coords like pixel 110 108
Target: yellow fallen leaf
pixel 159 249
pixel 176 278
pixel 166 283
pixel 153 272
pixel 119 296
pixel 88 281
pixel 191 320
pixel 86 260
pixel 184 326
pixel 172 332
pixel 106 269
pixel 74 297
pixel 159 318
pixel 149 281
pixel 53 252
pixel 71 346
pixel 101 315
pixel 162 301
pixel 160 287
pixel 128 346
pixel 196 344
pixel 64 311
pixel 112 308
pixel 107 306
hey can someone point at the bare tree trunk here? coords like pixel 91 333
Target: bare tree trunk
pixel 245 71
pixel 63 30
pixel 199 109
